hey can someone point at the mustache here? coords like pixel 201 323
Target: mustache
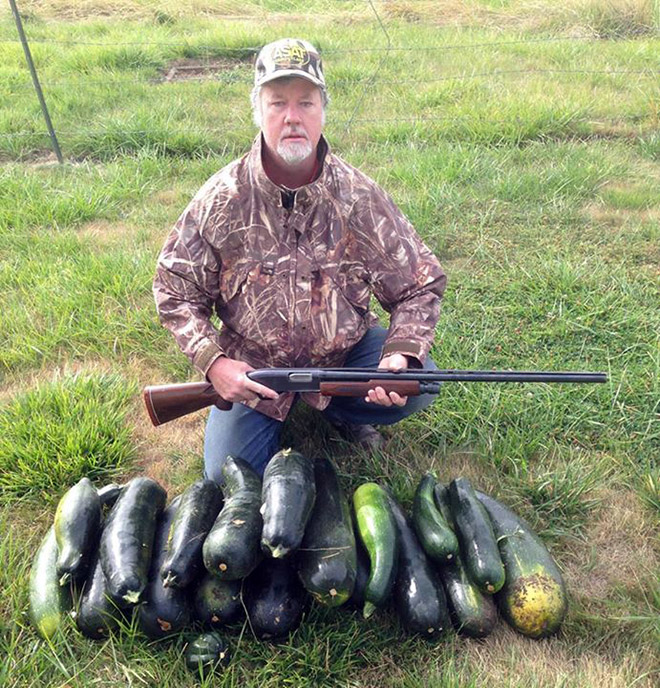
pixel 293 131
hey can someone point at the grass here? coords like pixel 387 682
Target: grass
pixel 55 434
pixel 519 136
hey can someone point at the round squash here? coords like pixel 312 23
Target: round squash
pixel 206 654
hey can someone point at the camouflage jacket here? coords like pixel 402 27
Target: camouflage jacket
pixel 292 287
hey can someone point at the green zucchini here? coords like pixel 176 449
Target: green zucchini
pixel 327 559
pixel 377 530
pixel 287 500
pixel 97 615
pixel 478 545
pixel 50 602
pixel 77 528
pixel 274 599
pixel 418 594
pixel 534 599
pixel 216 602
pixel 206 654
pixel 163 611
pixel 231 549
pixel 473 613
pixel 199 507
pixel 436 536
pixel 128 537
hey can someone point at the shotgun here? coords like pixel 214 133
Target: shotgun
pixel 167 402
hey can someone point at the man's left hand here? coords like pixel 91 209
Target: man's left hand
pixel 378 395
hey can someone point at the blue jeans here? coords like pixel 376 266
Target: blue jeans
pixel 246 433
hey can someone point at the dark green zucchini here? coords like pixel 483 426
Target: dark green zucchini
pixel 50 602
pixel 533 600
pixel 377 530
pixel 418 594
pixel 441 499
pixel 287 499
pixel 358 598
pixel 163 611
pixel 274 599
pixel 327 559
pixel 77 528
pixel 434 533
pixel 231 549
pixel 479 550
pixel 97 615
pixel 473 613
pixel 128 537
pixel 206 654
pixel 198 509
pixel 216 602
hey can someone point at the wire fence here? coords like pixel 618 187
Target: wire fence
pixel 239 73
pixel 246 80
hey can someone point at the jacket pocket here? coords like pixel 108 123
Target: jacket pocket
pixel 252 298
pixel 234 278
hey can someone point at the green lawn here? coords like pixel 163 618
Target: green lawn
pixel 521 137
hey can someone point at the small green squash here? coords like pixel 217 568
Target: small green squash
pixel 206 654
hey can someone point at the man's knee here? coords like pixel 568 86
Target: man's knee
pixel 213 467
pixel 241 433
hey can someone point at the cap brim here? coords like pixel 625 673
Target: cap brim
pixel 282 73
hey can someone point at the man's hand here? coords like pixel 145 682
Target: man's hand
pixel 378 395
pixel 231 382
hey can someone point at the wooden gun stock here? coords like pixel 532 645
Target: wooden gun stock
pixel 167 402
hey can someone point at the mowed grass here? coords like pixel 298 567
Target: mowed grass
pixel 522 140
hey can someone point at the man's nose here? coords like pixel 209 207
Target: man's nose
pixel 292 114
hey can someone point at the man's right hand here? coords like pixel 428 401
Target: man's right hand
pixel 229 379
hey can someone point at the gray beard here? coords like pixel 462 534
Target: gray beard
pixel 294 153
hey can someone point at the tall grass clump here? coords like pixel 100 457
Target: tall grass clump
pixel 564 492
pixel 622 19
pixel 605 19
pixel 64 430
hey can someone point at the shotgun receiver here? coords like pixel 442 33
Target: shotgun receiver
pixel 167 402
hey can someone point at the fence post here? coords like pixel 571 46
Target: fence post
pixel 35 80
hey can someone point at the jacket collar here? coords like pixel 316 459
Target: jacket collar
pixel 272 190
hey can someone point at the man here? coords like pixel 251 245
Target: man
pixel 287 244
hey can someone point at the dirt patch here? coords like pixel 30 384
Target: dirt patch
pixel 166 452
pixel 105 233
pixel 199 69
pixel 615 217
pixel 171 197
pixel 36 159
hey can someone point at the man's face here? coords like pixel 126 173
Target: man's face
pixel 291 119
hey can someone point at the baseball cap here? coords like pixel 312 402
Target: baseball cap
pixel 289 57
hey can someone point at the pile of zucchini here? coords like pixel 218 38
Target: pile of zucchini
pixel 256 551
